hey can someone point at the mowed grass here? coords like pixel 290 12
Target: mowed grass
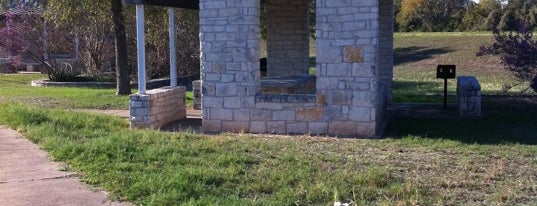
pixel 418 54
pixel 17 88
pixel 148 167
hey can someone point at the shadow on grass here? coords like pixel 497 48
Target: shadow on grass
pixel 416 91
pixel 505 120
pixel 417 86
pixel 414 54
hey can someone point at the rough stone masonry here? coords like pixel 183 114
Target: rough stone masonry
pixel 157 108
pixel 353 67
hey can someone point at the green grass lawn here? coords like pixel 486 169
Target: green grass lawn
pixel 421 161
pixel 17 88
pixel 424 163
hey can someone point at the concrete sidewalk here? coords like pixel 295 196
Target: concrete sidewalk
pixel 28 177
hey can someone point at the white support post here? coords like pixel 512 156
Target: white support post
pixel 140 34
pixel 173 56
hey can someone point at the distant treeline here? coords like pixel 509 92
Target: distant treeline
pixel 463 15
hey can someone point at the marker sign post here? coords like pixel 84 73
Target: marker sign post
pixel 446 72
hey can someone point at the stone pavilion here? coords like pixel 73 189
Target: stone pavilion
pixel 348 94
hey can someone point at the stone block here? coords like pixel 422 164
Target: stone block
pixel 248 102
pixel 226 89
pixel 235 126
pixel 284 115
pixel 309 114
pixel 361 114
pixel 297 128
pixel 261 115
pixel 353 54
pixel 271 106
pixel 211 125
pixel 241 115
pixel 221 114
pixel 136 104
pixel 208 89
pixel 276 127
pixel 364 99
pixel 341 98
pixel 258 127
pixel 318 128
pixel 212 102
pixel 213 77
pixel 367 129
pixel 363 70
pixel 343 128
pixel 134 97
pixel 141 111
pixel 232 102
pixel 321 98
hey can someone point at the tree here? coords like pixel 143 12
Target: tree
pixel 24 36
pixel 517 11
pixel 431 15
pixel 157 42
pixel 484 15
pixel 411 15
pixel 517 52
pixel 122 64
pixel 90 20
pixel 101 42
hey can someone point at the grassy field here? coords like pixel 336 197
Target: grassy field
pixel 421 161
pixel 418 54
pixel 422 167
pixel 17 88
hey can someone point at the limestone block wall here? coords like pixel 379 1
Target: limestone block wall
pixel 386 18
pixel 468 96
pixel 347 68
pixel 288 37
pixel 229 35
pixel 288 114
pixel 348 101
pixel 158 107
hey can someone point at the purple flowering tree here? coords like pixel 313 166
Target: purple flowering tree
pixel 24 35
pixel 518 52
pixel 13 37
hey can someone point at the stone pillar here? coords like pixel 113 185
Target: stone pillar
pixel 196 93
pixel 347 68
pixel 468 96
pixel 386 46
pixel 288 37
pixel 229 35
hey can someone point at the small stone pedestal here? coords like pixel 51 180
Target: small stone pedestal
pixel 468 96
pixel 158 107
pixel 196 92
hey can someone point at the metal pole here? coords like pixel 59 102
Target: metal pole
pixel 173 56
pixel 445 93
pixel 140 34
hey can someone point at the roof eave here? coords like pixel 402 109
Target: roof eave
pixel 186 4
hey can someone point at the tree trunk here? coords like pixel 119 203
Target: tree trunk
pixel 122 69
